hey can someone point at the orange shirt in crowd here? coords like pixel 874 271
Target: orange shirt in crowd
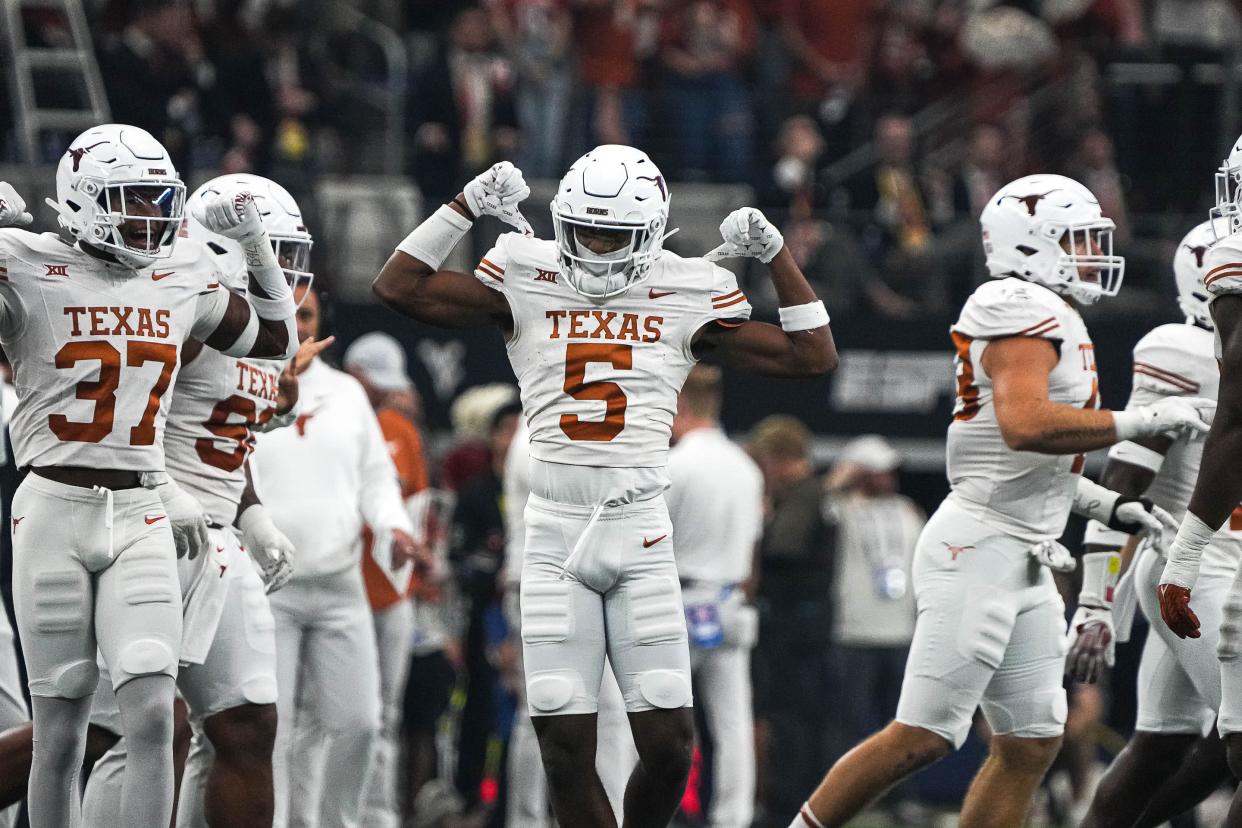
pixel 405 445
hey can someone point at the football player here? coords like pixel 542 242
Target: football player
pixel 228 650
pixel 1218 488
pixel 990 622
pixel 94 325
pixel 602 326
pixel 1179 687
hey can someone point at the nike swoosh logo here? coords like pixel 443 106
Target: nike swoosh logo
pixel 647 544
pixel 659 294
pixel 155 519
pixel 155 277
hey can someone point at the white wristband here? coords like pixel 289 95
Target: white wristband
pixel 1184 553
pixel 1136 455
pixel 1100 535
pixel 804 317
pixel 1091 500
pixel 432 241
pixel 1100 571
pixel 277 299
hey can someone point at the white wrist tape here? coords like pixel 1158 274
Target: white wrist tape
pixel 1099 534
pixel 432 241
pixel 1136 455
pixel 804 317
pixel 277 299
pixel 1184 553
pixel 1093 501
pixel 254 517
pixel 1100 571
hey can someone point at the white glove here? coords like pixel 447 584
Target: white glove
pixel 499 192
pixel 268 546
pixel 1134 515
pixel 185 518
pixel 12 207
pixel 1053 555
pixel 747 232
pixel 1171 416
pixel 1092 644
pixel 233 214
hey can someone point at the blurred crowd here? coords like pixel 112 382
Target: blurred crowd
pixel 873 129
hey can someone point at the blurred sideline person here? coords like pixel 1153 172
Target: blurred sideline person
pixel 527 801
pixel 715 503
pixel 13 712
pixel 227 675
pixel 791 669
pixel 89 426
pixel 377 361
pixel 1218 489
pixel 873 604
pixel 990 625
pixel 605 301
pixel 1179 681
pixel 321 479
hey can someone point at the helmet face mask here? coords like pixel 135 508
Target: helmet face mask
pixel 1228 209
pixel 1048 229
pixel 144 217
pixel 608 219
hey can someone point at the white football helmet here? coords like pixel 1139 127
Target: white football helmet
pixel 1228 193
pixel 1188 272
pixel 1048 229
pixel 613 194
pixel 282 218
pixel 116 190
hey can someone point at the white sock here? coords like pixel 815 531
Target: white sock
pixel 805 819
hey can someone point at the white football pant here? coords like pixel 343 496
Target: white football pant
pixel 394 629
pixel 329 700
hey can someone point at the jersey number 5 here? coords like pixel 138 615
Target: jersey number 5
pixel 577 356
pixel 103 390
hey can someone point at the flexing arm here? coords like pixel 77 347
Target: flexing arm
pixel 802 346
pixel 411 281
pixel 766 349
pixel 244 333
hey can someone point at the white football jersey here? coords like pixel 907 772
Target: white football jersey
pixel 599 380
pixel 217 401
pixel 1022 493
pixel 1179 360
pixel 95 347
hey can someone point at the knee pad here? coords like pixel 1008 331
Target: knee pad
pixel 984 632
pixel 60 600
pixel 665 689
pixel 260 689
pixel 655 612
pixel 148 577
pixel 546 611
pixel 146 656
pixel 550 690
pixel 1230 645
pixel 76 680
pixel 1040 714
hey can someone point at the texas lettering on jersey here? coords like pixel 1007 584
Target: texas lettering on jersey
pixel 609 325
pixel 118 321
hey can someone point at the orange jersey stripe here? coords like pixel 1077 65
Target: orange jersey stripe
pixel 723 305
pixel 1224 275
pixel 1039 325
pixel 492 265
pixel 1176 380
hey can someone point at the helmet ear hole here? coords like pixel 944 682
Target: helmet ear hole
pixel 1026 250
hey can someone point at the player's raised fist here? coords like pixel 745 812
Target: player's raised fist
pixel 12 207
pixel 747 233
pixel 499 191
pixel 232 214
